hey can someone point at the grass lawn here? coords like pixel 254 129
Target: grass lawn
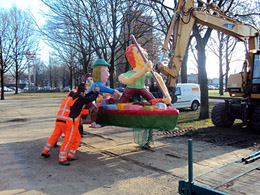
pixel 188 118
pixel 215 93
pixel 35 95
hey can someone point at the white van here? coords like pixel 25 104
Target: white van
pixel 188 96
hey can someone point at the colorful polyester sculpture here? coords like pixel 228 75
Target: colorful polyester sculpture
pixel 135 79
pixel 88 80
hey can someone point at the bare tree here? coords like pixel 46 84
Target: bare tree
pixel 23 32
pixel 6 41
pixel 68 57
pixel 216 46
pixel 66 28
pixel 109 19
pixel 202 74
pixel 230 44
pixel 16 39
pixel 138 21
pixel 40 72
pixel 106 20
pixel 93 28
pixel 223 46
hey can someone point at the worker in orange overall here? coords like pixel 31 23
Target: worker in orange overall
pixel 72 137
pixel 60 125
pixel 87 109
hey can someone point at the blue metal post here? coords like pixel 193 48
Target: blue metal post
pixel 188 187
pixel 190 166
pixel 190 160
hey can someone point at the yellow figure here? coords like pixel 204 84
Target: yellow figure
pixel 88 80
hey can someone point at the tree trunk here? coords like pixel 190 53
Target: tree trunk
pixel 184 68
pixel 127 65
pixel 84 61
pixel 202 74
pixel 112 71
pixel 2 83
pixel 221 43
pixel 16 82
pixel 2 71
pixel 113 47
pixel 203 81
pixel 71 78
pixel 227 62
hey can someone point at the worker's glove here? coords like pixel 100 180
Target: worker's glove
pixel 148 66
pixel 96 88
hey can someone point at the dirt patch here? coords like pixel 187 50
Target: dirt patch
pixel 236 136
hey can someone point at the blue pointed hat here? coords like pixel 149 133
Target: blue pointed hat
pixel 100 62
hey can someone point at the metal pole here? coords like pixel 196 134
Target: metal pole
pixel 29 75
pixel 190 159
pixel 34 73
pixel 251 155
pixel 254 158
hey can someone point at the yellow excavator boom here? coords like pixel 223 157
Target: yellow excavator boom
pixel 186 14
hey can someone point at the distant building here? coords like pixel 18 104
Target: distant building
pixel 214 81
pixel 10 81
pixel 192 78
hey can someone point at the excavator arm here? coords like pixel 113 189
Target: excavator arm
pixel 186 14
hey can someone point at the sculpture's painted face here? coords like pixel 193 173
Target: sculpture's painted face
pixel 89 81
pixel 134 57
pixel 104 74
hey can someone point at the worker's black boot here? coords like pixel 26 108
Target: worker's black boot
pixel 46 155
pixel 65 163
pixel 81 130
pixel 72 159
pixel 55 145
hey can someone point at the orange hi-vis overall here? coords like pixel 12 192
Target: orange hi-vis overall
pixel 72 138
pixel 60 125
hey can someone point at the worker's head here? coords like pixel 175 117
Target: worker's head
pixel 71 93
pixel 100 71
pixel 81 88
pixel 134 57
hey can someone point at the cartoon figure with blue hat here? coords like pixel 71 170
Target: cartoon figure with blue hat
pixel 100 76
